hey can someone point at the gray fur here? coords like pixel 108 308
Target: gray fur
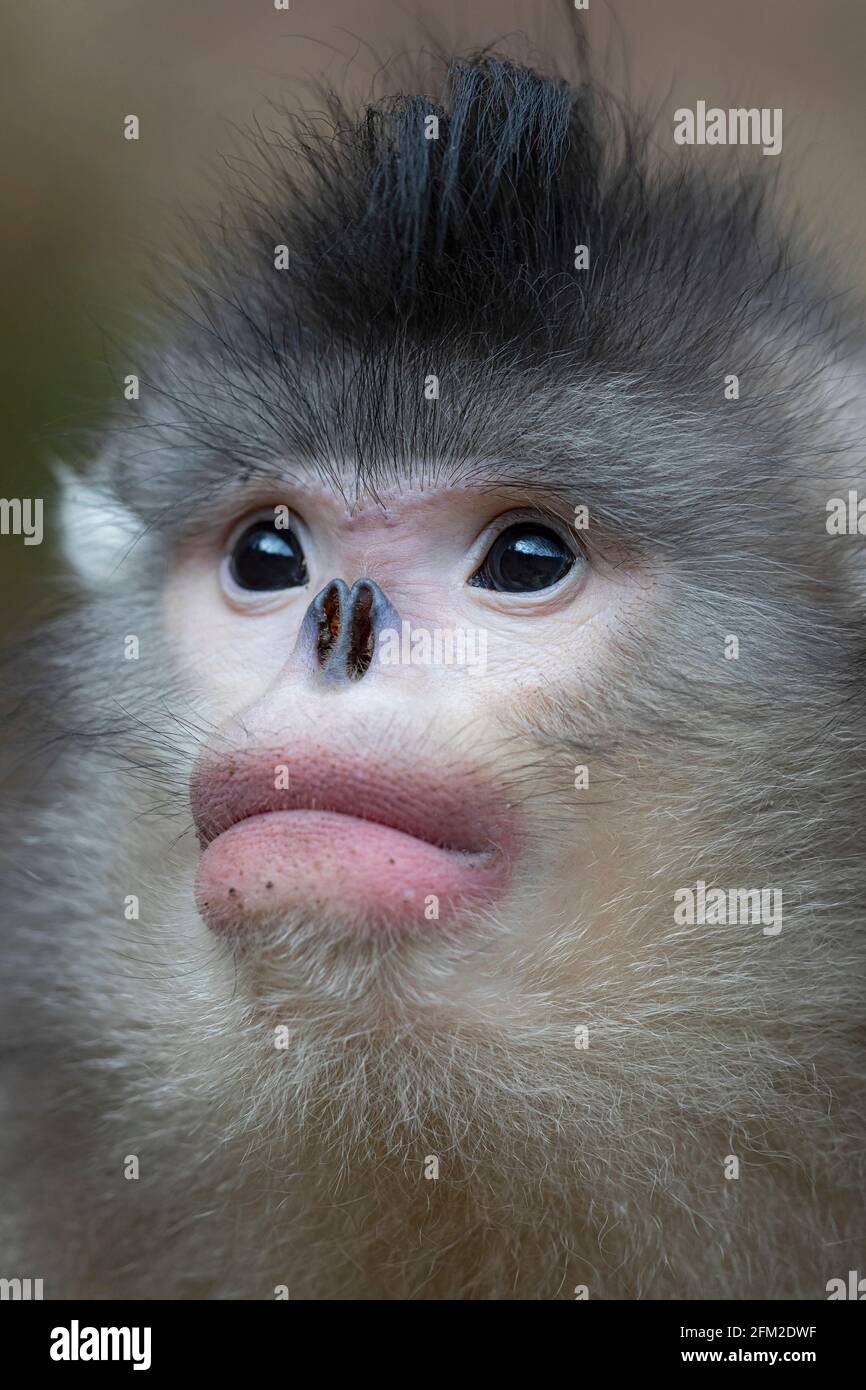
pixel 560 1167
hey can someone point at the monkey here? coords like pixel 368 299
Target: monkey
pixel 435 809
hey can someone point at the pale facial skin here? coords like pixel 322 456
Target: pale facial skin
pixel 298 769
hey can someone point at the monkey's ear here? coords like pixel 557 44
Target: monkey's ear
pixel 96 530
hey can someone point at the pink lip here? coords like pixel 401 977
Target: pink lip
pixel 377 844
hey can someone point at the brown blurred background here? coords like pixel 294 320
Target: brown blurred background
pixel 83 208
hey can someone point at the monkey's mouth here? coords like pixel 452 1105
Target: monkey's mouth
pixel 342 837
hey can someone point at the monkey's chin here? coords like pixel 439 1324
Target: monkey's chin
pixel 283 861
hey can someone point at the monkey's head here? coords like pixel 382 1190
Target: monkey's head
pixel 459 594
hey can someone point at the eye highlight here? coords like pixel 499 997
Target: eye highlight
pixel 525 558
pixel 266 557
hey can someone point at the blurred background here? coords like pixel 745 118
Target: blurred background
pixel 83 209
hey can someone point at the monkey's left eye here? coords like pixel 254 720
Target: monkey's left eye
pixel 523 559
pixel 267 557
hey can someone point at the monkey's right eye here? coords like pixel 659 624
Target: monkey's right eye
pixel 267 557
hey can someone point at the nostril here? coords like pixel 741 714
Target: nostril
pixel 361 637
pixel 341 628
pixel 329 625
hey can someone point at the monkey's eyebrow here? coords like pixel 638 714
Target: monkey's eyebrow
pixel 644 464
pixel 289 485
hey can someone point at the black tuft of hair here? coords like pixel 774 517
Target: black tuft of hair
pixel 440 236
pixel 472 233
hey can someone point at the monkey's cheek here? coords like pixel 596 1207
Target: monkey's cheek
pixel 285 862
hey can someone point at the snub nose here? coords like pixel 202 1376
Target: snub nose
pixel 341 628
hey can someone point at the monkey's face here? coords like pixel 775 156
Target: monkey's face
pixel 377 676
